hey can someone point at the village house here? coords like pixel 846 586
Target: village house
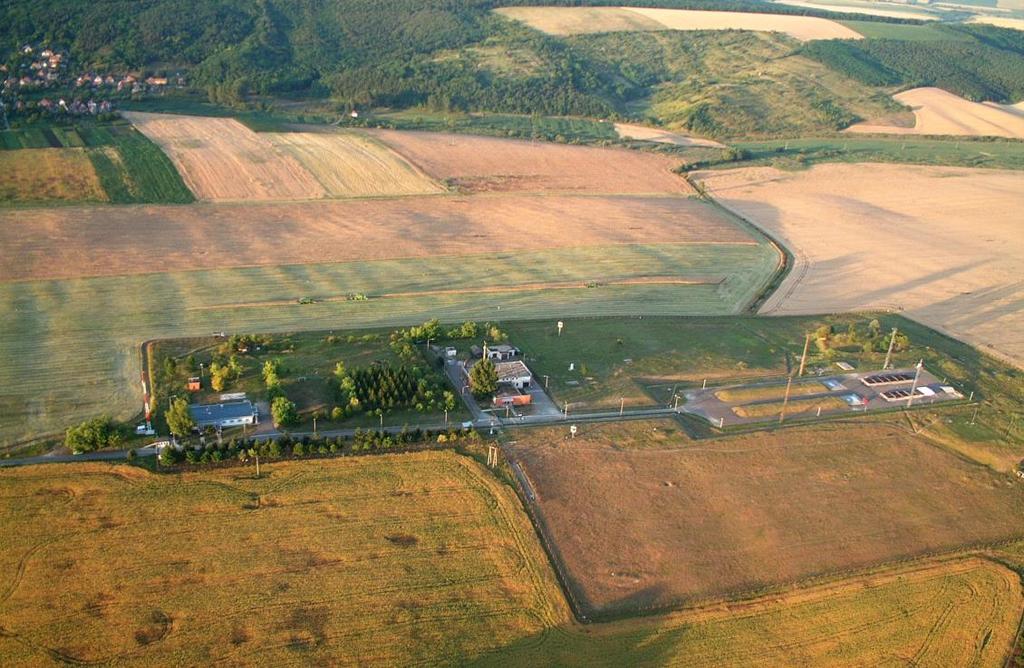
pixel 513 374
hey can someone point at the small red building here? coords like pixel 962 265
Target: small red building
pixel 194 384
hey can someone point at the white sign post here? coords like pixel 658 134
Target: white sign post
pixel 572 430
pixel 560 326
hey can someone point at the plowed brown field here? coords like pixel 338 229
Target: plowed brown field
pixel 487 164
pixel 103 241
pixel 944 245
pixel 642 517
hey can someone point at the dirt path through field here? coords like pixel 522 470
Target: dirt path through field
pixel 945 245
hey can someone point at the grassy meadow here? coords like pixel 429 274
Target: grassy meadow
pixel 70 348
pixel 800 153
pixel 44 175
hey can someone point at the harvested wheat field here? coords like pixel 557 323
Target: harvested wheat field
pixel 873 8
pixel 943 613
pixel 221 159
pixel 938 112
pixel 944 245
pixel 350 164
pixel 582 20
pixel 48 174
pixel 487 164
pixel 660 136
pixel 77 241
pixel 642 517
pixel 415 559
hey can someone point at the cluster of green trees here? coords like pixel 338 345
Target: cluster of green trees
pixel 869 338
pixel 483 379
pixel 977 62
pixel 382 387
pixel 99 432
pixel 285 447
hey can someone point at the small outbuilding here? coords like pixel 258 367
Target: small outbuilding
pixel 194 384
pixel 225 414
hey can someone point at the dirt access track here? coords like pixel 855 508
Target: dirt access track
pixel 641 517
pixel 944 245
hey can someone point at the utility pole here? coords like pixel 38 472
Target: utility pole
pixel 565 415
pixel 913 386
pixel 803 358
pixel 785 400
pixel 622 405
pixel 257 464
pixel 676 407
pixel 314 426
pixel 446 418
pixel 888 355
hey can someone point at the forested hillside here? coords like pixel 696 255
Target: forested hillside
pixel 988 66
pixel 458 55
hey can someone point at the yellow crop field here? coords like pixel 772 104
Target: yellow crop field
pixel 769 391
pixel 582 20
pixel 221 159
pixel 353 165
pixel 389 560
pixel 48 174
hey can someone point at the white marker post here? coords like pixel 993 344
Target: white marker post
pixel 572 431
pixel 560 326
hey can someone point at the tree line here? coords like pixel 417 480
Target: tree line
pixel 285 447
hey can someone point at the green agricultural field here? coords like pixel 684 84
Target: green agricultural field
pixel 799 153
pixel 550 128
pixel 70 348
pixel 905 32
pixel 130 168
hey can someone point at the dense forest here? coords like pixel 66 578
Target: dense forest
pixel 987 66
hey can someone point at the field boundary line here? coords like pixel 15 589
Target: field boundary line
pixel 785 260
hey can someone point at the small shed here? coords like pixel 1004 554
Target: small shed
pixel 194 384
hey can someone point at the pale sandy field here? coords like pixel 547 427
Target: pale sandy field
pixel 488 164
pixel 580 20
pixel 351 164
pixel 661 136
pixel 944 245
pixel 939 112
pixel 221 159
pixel 892 10
pixel 68 242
